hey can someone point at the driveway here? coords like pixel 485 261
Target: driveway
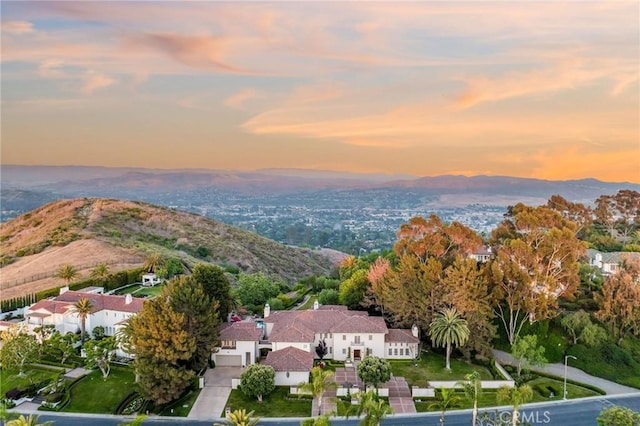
pixel 213 398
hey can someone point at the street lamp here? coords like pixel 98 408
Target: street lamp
pixel 564 389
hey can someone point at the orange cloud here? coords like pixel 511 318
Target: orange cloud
pixel 17 27
pixel 95 82
pixel 238 99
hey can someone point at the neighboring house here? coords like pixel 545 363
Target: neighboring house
pixel 609 263
pixel 347 335
pixel 109 311
pixel 482 254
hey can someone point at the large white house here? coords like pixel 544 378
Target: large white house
pixel 109 311
pixel 609 263
pixel 348 335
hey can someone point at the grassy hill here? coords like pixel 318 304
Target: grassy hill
pixel 123 228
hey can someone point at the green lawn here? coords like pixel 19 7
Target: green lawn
pixel 431 367
pixel 92 394
pixel 489 399
pixel 9 379
pixel 141 291
pixel 276 404
pixel 309 303
pixel 182 406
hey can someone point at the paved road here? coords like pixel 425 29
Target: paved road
pixel 610 388
pixel 577 412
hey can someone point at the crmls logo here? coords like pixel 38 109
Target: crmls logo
pixel 500 418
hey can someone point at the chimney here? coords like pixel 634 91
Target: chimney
pixel 64 289
pixel 414 330
pixel 267 310
pixel 128 299
pixel 316 305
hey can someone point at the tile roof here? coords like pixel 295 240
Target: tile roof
pixel 290 359
pixel 241 331
pixel 398 335
pixel 66 300
pixel 291 326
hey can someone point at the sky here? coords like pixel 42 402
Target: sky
pixel 546 90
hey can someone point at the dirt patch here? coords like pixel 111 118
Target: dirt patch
pixel 34 273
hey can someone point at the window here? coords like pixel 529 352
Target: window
pixel 356 339
pixel 370 337
pixel 344 351
pixel 401 352
pixel 395 351
pixel 390 351
pixel 330 335
pixel 230 344
pixel 330 349
pixel 344 337
pixel 287 374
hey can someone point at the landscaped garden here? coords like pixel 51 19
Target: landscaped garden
pixel 10 379
pixel 431 367
pixel 93 394
pixel 277 404
pixel 182 406
pixel 139 290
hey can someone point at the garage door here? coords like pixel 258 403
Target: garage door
pixel 228 360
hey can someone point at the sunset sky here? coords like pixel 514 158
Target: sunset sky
pixel 533 89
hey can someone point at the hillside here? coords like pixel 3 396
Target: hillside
pixel 92 230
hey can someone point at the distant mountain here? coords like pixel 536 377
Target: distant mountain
pixel 94 229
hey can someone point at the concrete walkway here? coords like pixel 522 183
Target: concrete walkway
pixel 611 388
pixel 213 397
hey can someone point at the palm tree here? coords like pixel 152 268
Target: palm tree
pixel 153 262
pixel 67 273
pixel 319 384
pixel 83 308
pixel 101 272
pixel 27 421
pixel 374 409
pixel 446 400
pixel 515 396
pixel 240 418
pixel 316 421
pixel 448 328
pixel 472 387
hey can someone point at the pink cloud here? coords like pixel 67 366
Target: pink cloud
pixel 17 27
pixel 237 100
pixel 95 82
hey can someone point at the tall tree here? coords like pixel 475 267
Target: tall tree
pixel 101 273
pixel 18 349
pixel 447 329
pixel 216 286
pixel 536 262
pixel 83 308
pixel 255 289
pixel 468 292
pixel 163 349
pixel 578 213
pixel 154 262
pixel 353 289
pixel 319 383
pixel 257 381
pixel 574 323
pixel 431 238
pixel 472 387
pixel 201 317
pixel 100 353
pixel 445 400
pixel 527 352
pixel 373 408
pixel 619 213
pixel 516 396
pixel 61 346
pixel 374 370
pixel 67 273
pixel 619 300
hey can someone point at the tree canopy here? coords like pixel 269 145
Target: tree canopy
pixel 258 380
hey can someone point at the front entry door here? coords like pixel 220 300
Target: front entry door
pixel 356 354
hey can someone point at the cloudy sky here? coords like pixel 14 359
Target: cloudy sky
pixel 533 89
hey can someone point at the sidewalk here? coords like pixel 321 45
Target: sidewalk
pixel 611 388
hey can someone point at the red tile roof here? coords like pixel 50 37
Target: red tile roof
pixel 65 301
pixel 290 359
pixel 241 331
pixel 398 335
